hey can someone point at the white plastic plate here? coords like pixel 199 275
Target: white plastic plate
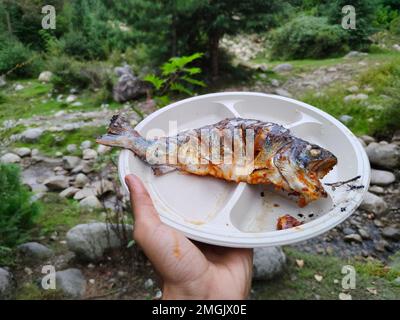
pixel 236 215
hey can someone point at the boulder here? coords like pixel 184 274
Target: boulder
pixel 89 154
pixel 391 233
pixel 283 67
pixel 70 162
pixel 86 144
pixel 69 192
pixel 382 178
pixel 84 193
pixel 81 180
pixel 71 282
pixel 32 134
pixel 71 98
pixel 10 158
pixel 90 202
pixel 57 183
pixel 268 262
pixel 384 155
pixel 7 284
pixel 34 251
pixel 23 152
pixel 129 87
pixel 373 203
pixel 90 241
pixel 45 76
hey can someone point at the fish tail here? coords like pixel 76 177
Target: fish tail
pixel 120 134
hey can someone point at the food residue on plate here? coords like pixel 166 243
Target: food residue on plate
pixel 287 221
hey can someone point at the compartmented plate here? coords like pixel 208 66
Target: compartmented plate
pixel 241 215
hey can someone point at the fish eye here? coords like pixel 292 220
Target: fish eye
pixel 315 152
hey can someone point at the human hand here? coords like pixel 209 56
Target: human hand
pixel 187 270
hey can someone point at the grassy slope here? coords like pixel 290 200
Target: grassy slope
pixel 299 283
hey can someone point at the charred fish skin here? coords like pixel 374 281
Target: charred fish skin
pixel 272 155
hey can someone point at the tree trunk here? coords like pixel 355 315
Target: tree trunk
pixel 213 42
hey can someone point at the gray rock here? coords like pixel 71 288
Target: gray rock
pixel 77 104
pixel 353 89
pixel 34 251
pixel 283 92
pixel 355 54
pixel 71 282
pixel 353 238
pixel 85 144
pixel 381 177
pixel 91 202
pixel 376 189
pixel 364 234
pixel 367 139
pixel 102 149
pixel 89 154
pixel 84 193
pixel 3 81
pixel 70 162
pixel 71 98
pixel 45 76
pixel 71 148
pixel 345 118
pixel 10 158
pixel 84 166
pixel 81 180
pixel 355 97
pixel 283 67
pixel 348 231
pixel 32 134
pixel 268 262
pixel 56 183
pixel 23 152
pixel 373 203
pixel 129 87
pixel 7 284
pixel 148 284
pixel 384 155
pixel 275 83
pixel 103 186
pixel 125 69
pixel 90 241
pixel 69 192
pixel 19 87
pixel 396 47
pixel 391 233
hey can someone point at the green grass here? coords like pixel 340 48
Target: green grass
pixel 52 142
pixel 31 291
pixel 34 100
pixel 299 283
pixel 59 214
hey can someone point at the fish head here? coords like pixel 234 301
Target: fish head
pixel 313 158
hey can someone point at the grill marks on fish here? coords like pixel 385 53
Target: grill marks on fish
pixel 236 149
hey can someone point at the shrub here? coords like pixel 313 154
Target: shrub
pixel 395 26
pixel 17 59
pixel 70 73
pixel 307 37
pixel 81 47
pixel 17 211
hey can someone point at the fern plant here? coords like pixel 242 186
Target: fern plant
pixel 176 77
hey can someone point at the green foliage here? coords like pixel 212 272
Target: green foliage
pixel 395 26
pixel 176 77
pixel 307 37
pixel 16 59
pixel 70 73
pixel 17 211
pixel 384 16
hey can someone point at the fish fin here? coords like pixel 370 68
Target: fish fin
pixel 119 125
pixel 160 170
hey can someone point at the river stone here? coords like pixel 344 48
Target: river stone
pixel 90 202
pixel 70 162
pixel 69 192
pixel 352 237
pixel 31 134
pixel 367 139
pixel 10 158
pixel 391 233
pixel 89 154
pixel 7 284
pixel 381 177
pixel 283 67
pixel 45 76
pixel 90 241
pixel 81 180
pixel 373 203
pixel 71 282
pixel 86 144
pixel 84 193
pixel 268 262
pixel 384 155
pixel 57 183
pixel 71 148
pixel 23 152
pixel 34 251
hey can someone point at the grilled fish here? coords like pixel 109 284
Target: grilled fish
pixel 235 149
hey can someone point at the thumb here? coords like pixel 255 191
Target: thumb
pixel 145 215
